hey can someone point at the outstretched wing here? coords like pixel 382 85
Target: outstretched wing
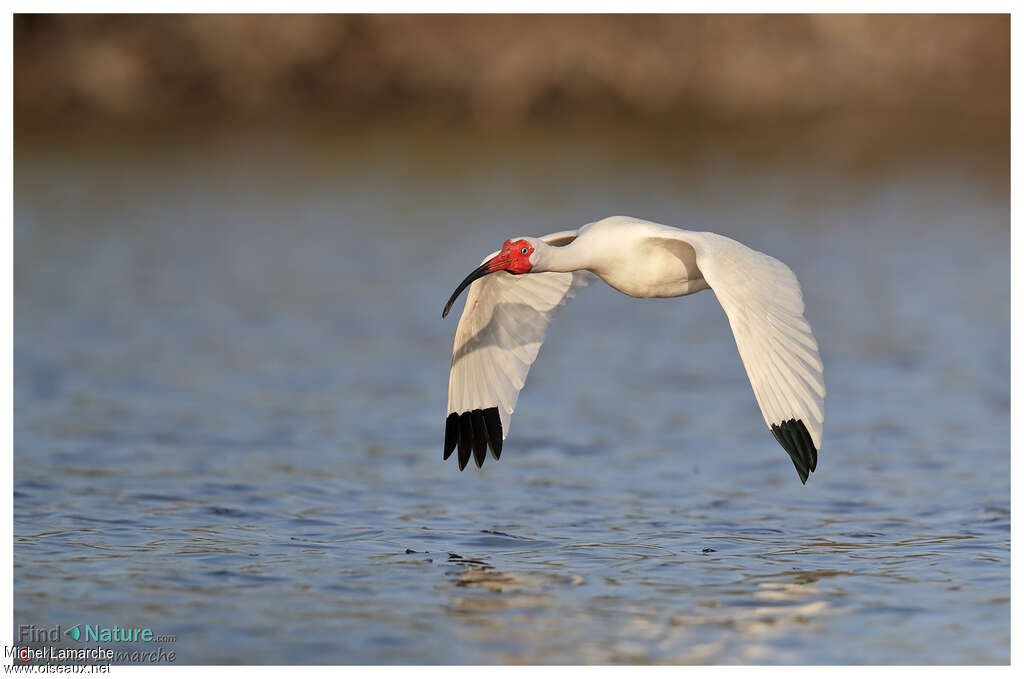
pixel 497 340
pixel 762 299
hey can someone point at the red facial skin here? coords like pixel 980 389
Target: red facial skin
pixel 512 258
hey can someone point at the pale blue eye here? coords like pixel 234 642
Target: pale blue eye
pixel 524 251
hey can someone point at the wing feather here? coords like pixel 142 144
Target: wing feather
pixel 764 304
pixel 497 340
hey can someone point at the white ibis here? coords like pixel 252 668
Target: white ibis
pixel 515 292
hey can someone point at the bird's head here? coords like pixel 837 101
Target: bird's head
pixel 514 257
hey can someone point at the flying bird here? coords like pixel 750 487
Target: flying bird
pixel 516 291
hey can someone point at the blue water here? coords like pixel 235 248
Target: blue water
pixel 230 375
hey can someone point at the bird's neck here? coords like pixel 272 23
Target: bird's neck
pixel 562 259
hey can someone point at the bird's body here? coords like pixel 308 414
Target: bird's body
pixel 515 292
pixel 632 257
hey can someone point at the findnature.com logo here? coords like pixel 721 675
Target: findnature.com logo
pixel 90 633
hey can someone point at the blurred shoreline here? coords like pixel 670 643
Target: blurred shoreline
pixel 950 72
pixel 838 94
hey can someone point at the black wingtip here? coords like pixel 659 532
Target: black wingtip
pixel 451 434
pixel 479 438
pixel 494 432
pixel 472 433
pixel 793 436
pixel 465 439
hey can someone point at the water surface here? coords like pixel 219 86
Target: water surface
pixel 230 375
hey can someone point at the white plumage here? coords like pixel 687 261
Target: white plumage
pixel 516 291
